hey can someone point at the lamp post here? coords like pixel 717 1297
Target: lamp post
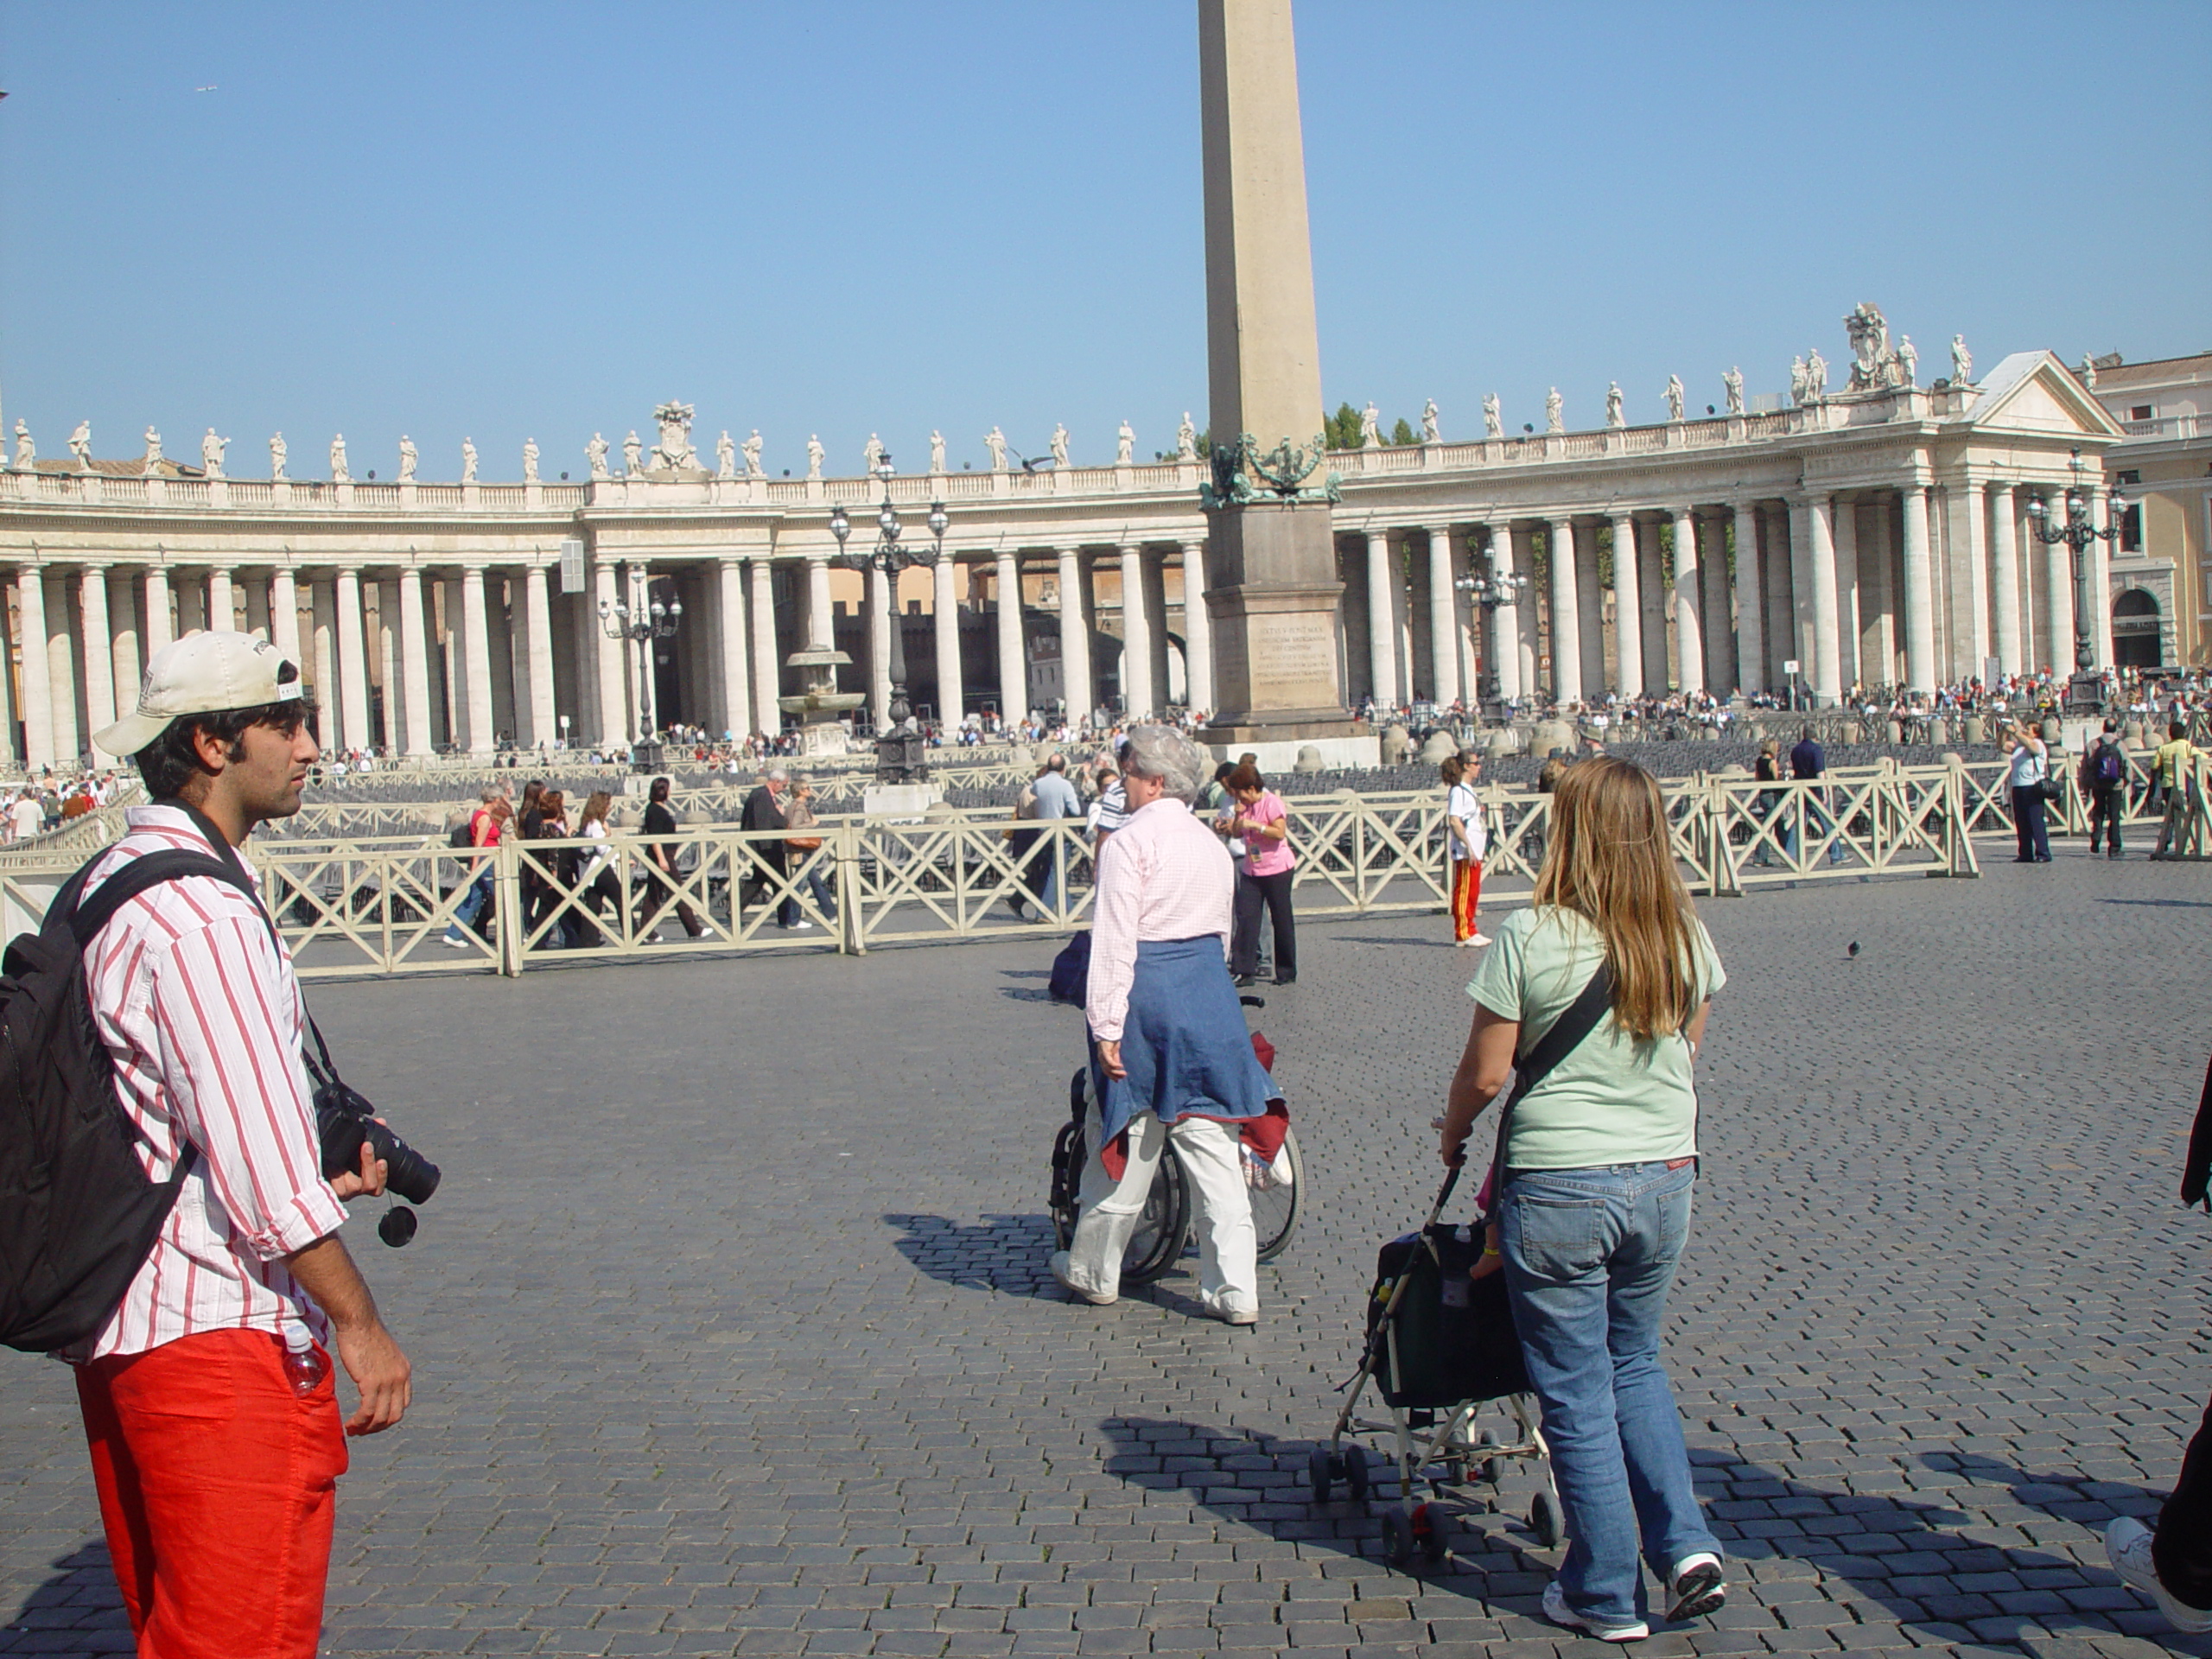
pixel 1491 593
pixel 2085 687
pixel 899 745
pixel 642 622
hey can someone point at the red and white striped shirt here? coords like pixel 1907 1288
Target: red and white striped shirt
pixel 200 1009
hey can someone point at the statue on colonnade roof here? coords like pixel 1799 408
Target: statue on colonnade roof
pixel 1614 415
pixel 468 461
pixel 80 442
pixel 1371 426
pixel 725 456
pixel 1493 417
pixel 25 451
pixel 279 451
pixel 1060 445
pixel 211 454
pixel 1429 432
pixel 1962 362
pixel 1125 445
pixel 872 455
pixel 1874 365
pixel 409 458
pixel 1555 411
pixel 530 461
pixel 995 440
pixel 937 450
pixel 596 455
pixel 339 474
pixel 1186 439
pixel 1908 360
pixel 674 448
pixel 633 455
pixel 1816 375
pixel 814 454
pixel 1674 396
pixel 1732 383
pixel 751 448
pixel 152 465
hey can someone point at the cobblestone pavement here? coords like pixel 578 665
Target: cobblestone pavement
pixel 733 1334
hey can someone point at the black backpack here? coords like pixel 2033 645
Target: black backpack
pixel 78 1214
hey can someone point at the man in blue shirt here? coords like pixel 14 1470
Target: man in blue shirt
pixel 1056 799
pixel 1808 762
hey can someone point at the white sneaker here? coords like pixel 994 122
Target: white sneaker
pixel 1557 1610
pixel 801 925
pixel 454 943
pixel 2127 1547
pixel 1480 939
pixel 1230 1308
pixel 1695 1587
pixel 1059 1265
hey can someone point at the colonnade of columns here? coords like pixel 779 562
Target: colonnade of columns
pixel 1716 597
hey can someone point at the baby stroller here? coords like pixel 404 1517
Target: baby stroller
pixel 1440 1346
pixel 1273 1176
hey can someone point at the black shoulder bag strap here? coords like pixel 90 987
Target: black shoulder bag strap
pixel 1531 1068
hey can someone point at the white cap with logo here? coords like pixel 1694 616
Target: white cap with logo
pixel 202 674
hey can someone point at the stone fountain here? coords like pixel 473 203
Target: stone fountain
pixel 821 705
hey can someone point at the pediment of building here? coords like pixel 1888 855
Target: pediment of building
pixel 2033 392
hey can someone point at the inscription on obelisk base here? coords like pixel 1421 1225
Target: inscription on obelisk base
pixel 1272 588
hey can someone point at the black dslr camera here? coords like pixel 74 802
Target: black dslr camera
pixel 344 1120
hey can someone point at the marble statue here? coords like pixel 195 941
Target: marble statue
pixel 1732 384
pixel 1554 415
pixel 337 472
pixel 1493 419
pixel 1614 417
pixel 1060 445
pixel 596 455
pixel 408 457
pixel 1962 362
pixel 152 464
pixel 725 456
pixel 1875 366
pixel 1125 445
pixel 25 451
pixel 814 454
pixel 278 453
pixel 872 453
pixel 1673 397
pixel 530 461
pixel 1816 375
pixel 674 448
pixel 468 461
pixel 751 450
pixel 81 441
pixel 1186 439
pixel 995 440
pixel 633 455
pixel 1908 360
pixel 936 451
pixel 2089 380
pixel 1797 380
pixel 211 454
pixel 1371 427
pixel 1429 433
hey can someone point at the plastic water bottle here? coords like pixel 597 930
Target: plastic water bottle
pixel 304 1367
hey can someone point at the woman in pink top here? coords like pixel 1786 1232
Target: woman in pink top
pixel 1262 876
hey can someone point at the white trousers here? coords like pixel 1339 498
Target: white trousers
pixel 1229 1267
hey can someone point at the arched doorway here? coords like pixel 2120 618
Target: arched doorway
pixel 2136 640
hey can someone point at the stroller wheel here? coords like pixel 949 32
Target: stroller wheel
pixel 1320 1474
pixel 1356 1471
pixel 1398 1545
pixel 1432 1533
pixel 1487 1470
pixel 1545 1520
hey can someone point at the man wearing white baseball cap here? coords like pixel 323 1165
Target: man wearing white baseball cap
pixel 207 1396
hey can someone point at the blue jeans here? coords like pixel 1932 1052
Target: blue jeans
pixel 1589 1254
pixel 464 913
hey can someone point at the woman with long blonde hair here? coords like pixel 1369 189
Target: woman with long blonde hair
pixel 1592 1205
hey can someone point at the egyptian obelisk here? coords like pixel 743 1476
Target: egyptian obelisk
pixel 1272 588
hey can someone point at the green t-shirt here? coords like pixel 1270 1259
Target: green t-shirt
pixel 1613 1100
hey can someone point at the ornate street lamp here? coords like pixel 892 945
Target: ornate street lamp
pixel 641 622
pixel 2085 687
pixel 899 751
pixel 1491 593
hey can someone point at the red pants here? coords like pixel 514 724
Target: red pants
pixel 1466 893
pixel 218 1485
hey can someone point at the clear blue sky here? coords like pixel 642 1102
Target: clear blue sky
pixel 503 221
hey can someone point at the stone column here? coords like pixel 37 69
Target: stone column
pixel 944 615
pixel 736 713
pixel 1628 610
pixel 544 722
pixel 414 661
pixel 1527 615
pixel 1781 613
pixel 1504 649
pixel 767 718
pixel 99 650
pixel 1590 610
pixel 161 628
pixel 2004 554
pixel 2058 582
pixel 613 684
pixel 1689 627
pixel 1381 621
pixel 2098 556
pixel 1074 636
pixel 1198 629
pixel 37 674
pixel 354 662
pixel 1968 509
pixel 61 669
pixel 1443 617
pixel 10 753
pixel 879 648
pixel 1820 549
pixel 191 605
pixel 1137 699
pixel 1920 664
pixel 389 730
pixel 821 620
pixel 327 695
pixel 1014 660
pixel 1878 641
pixel 1719 626
pixel 123 631
pixel 222 602
pixel 476 660
pixel 1751 600
pixel 284 612
pixel 1846 591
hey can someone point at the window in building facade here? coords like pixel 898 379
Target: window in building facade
pixel 2138 411
pixel 2131 530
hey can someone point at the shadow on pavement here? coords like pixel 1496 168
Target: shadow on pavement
pixel 1005 1252
pixel 2162 904
pixel 80 1596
